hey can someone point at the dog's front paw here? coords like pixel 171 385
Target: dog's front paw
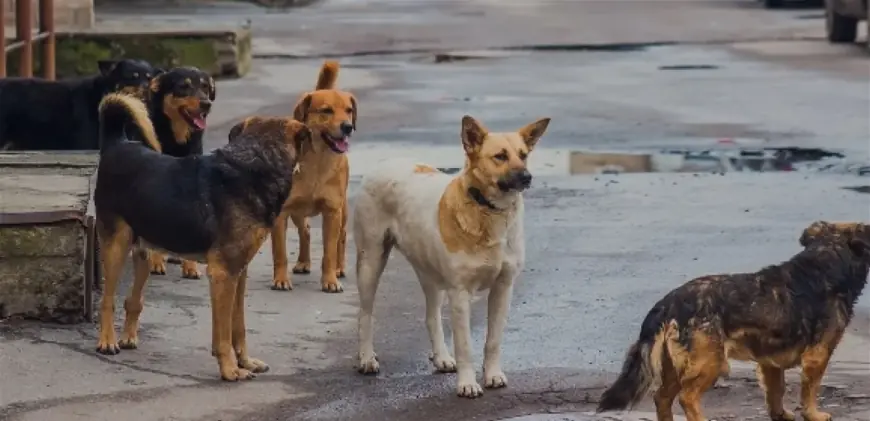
pixel 469 390
pixel 495 379
pixel 128 342
pixel 253 365
pixel 189 270
pixel 282 283
pixel 817 416
pixel 330 284
pixel 158 266
pixel 785 415
pixel 443 363
pixel 368 364
pixel 236 374
pixel 108 348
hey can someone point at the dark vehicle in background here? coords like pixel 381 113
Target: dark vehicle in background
pixel 842 18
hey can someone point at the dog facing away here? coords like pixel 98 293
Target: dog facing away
pixel 39 114
pixel 179 101
pixel 783 316
pixel 216 209
pixel 320 186
pixel 461 234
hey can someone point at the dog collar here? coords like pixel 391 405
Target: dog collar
pixel 478 197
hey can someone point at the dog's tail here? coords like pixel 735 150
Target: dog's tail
pixel 328 75
pixel 120 111
pixel 643 364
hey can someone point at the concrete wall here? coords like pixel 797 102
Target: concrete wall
pixel 68 14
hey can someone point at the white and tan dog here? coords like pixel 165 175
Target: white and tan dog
pixel 461 234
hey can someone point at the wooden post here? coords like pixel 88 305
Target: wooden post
pixel 3 41
pixel 46 26
pixel 24 34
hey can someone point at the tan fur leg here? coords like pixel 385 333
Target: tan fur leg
pixel 114 246
pixel 342 241
pixel 222 286
pixel 280 278
pixel 135 300
pixel 703 367
pixel 240 345
pixel 157 262
pixel 189 269
pixel 772 381
pixel 331 232
pixel 303 261
pixel 814 362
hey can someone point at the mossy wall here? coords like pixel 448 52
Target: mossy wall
pixel 221 54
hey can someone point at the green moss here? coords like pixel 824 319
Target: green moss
pixel 77 54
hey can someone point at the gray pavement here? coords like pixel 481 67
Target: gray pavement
pixel 601 249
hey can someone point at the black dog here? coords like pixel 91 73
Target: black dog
pixel 179 101
pixel 216 208
pixel 38 114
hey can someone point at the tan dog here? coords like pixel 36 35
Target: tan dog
pixel 461 234
pixel 788 315
pixel 320 186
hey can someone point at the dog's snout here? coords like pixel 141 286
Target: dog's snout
pixel 205 105
pixel 346 128
pixel 524 177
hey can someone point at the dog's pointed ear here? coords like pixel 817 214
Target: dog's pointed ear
pixel 212 94
pixel 531 133
pixel 300 113
pixel 106 66
pixel 353 117
pixel 812 232
pixel 159 71
pixel 473 134
pixel 236 130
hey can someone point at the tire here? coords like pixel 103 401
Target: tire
pixel 840 29
pixel 773 4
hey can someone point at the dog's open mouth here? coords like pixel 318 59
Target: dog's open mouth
pixel 337 144
pixel 195 118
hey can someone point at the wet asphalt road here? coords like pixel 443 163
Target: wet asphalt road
pixel 601 250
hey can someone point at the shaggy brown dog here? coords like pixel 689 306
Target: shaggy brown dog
pixel 783 316
pixel 216 209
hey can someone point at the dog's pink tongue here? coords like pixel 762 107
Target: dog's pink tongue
pixel 342 145
pixel 199 122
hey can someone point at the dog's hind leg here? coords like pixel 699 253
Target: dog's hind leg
pixel 280 278
pixel 814 362
pixel 667 391
pixel 303 260
pixel 373 251
pixel 772 381
pixel 441 358
pixel 703 365
pixel 135 300
pixel 157 262
pixel 114 245
pixel 460 318
pixel 240 345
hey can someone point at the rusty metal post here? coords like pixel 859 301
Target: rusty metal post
pixel 46 26
pixel 3 41
pixel 24 33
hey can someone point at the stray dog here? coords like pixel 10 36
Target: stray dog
pixel 38 114
pixel 179 101
pixel 783 316
pixel 216 209
pixel 461 234
pixel 320 186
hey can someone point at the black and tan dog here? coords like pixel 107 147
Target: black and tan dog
pixel 38 114
pixel 216 208
pixel 783 316
pixel 179 101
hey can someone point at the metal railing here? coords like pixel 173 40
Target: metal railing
pixel 25 38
